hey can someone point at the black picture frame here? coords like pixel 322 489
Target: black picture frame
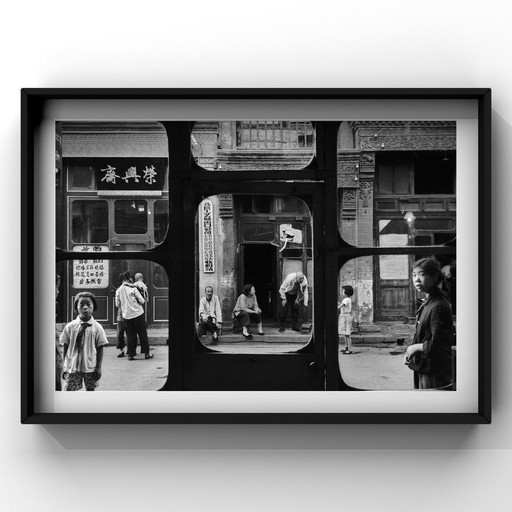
pixel 33 105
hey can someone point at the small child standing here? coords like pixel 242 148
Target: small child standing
pixel 345 318
pixel 82 341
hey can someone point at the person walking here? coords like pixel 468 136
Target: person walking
pixel 293 291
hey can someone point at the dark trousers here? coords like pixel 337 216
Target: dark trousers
pixel 120 335
pixel 283 313
pixel 243 319
pixel 136 326
pixel 207 326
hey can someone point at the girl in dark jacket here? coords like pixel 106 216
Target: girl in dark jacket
pixel 430 355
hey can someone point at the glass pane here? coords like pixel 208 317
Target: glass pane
pixel 245 256
pixel 122 167
pixel 239 145
pixel 81 176
pixel 378 322
pixel 89 222
pixel 160 220
pixel 400 172
pixel 258 232
pixel 130 217
pixel 144 333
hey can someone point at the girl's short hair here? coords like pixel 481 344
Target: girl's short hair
pixel 431 267
pixel 247 289
pixel 349 291
pixel 84 295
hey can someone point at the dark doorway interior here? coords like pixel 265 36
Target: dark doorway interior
pixel 259 268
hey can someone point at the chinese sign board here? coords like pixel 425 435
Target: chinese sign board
pixel 208 255
pixel 130 173
pixel 93 272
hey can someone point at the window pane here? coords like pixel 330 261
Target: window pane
pixel 89 222
pixel 123 165
pixel 380 317
pixel 398 172
pixel 81 176
pixel 161 220
pixel 243 246
pixel 258 232
pixel 239 145
pixel 116 374
pixel 131 217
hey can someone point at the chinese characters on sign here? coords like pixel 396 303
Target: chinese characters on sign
pixel 110 175
pixel 207 236
pixel 90 273
pixel 134 173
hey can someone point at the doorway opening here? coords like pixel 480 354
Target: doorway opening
pixel 260 268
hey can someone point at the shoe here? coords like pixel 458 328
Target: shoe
pixel 281 330
pixel 346 352
pixel 121 354
pixel 215 336
pixel 295 329
pixel 261 333
pixel 148 356
pixel 247 336
pixel 131 358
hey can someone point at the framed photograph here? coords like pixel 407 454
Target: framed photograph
pixel 256 256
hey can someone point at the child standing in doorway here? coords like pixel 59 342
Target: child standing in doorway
pixel 82 341
pixel 345 318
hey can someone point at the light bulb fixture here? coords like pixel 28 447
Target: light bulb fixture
pixel 133 204
pixel 409 217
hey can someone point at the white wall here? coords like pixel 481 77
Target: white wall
pixel 154 43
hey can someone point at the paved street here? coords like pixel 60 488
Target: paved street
pixel 119 374
pixel 376 367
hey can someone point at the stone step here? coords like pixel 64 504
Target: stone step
pixel 159 337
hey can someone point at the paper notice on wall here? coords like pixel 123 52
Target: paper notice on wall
pixel 92 272
pixel 395 266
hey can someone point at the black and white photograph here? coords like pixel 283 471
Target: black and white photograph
pixel 254 260
pixel 269 257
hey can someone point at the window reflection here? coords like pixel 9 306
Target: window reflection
pixel 257 241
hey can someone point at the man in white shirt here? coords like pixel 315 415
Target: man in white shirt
pixel 210 314
pixel 293 290
pixel 129 299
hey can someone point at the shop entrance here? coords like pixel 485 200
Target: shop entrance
pixel 259 268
